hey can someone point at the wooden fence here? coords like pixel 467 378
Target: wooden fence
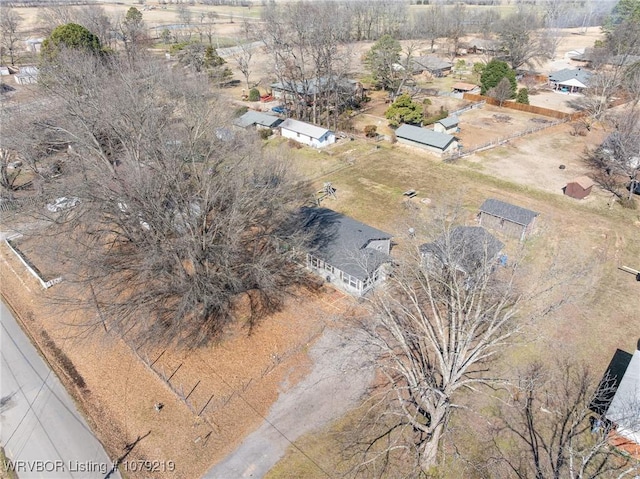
pixel 560 115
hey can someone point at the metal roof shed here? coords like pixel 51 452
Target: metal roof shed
pixel 513 220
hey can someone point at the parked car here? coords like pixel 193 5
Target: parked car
pixel 63 203
pixel 279 109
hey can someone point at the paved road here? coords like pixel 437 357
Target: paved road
pixel 341 373
pixel 40 428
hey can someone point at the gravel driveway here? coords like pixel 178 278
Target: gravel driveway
pixel 341 373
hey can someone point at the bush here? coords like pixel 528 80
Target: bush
pixel 240 111
pixel 254 94
pixel 294 144
pixel 265 133
pixel 438 116
pixel 628 203
pixel 371 131
pixel 523 96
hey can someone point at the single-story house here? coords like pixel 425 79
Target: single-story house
pixel 258 120
pixel 447 125
pixel 310 89
pixel 430 140
pixel 344 251
pixel 511 219
pixel 617 401
pixel 579 188
pixel 27 75
pixel 570 80
pixel 467 248
pixel 481 45
pixel 462 87
pixel 432 64
pixel 306 133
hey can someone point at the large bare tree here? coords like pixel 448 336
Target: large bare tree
pixel 546 429
pixel 437 329
pixel 179 220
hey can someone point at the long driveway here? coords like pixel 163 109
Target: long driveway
pixel 40 428
pixel 342 372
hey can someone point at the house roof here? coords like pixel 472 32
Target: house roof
pixel 424 136
pixel 304 128
pixel 449 122
pixel 469 247
pixel 430 63
pixel 342 241
pixel 584 182
pixel 507 211
pixel 571 77
pixel 624 409
pixel 462 86
pixel 257 118
pixel 315 85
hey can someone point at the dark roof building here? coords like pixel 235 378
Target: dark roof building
pixel 467 248
pixel 428 139
pixel 258 119
pixel 512 219
pixel 346 250
pixel 431 63
pixel 570 80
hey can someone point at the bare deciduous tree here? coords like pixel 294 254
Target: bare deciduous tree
pixel 616 163
pixel 502 91
pixel 521 39
pixel 546 430
pixel 10 21
pixel 179 220
pixel 437 329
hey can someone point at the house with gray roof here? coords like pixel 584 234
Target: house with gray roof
pixel 510 219
pixel 570 80
pixel 447 125
pixel 344 251
pixel 258 120
pixel 306 133
pixel 432 64
pixel 310 89
pixel 468 249
pixel 617 401
pixel 430 140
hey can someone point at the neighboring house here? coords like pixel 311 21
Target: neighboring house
pixel 467 248
pixel 579 188
pixel 447 125
pixel 27 75
pixel 430 140
pixel 258 120
pixel 481 45
pixel 462 87
pixel 344 251
pixel 432 64
pixel 617 401
pixel 310 89
pixel 306 133
pixel 512 220
pixel 570 80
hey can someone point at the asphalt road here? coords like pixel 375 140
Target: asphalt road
pixel 40 428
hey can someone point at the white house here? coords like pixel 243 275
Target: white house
pixel 344 251
pixel 306 133
pixel 430 140
pixel 570 81
pixel 27 75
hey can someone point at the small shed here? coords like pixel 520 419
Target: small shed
pixel 511 219
pixel 462 87
pixel 430 140
pixel 447 125
pixel 306 133
pixel 579 188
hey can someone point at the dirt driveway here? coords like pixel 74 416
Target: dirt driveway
pixel 341 373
